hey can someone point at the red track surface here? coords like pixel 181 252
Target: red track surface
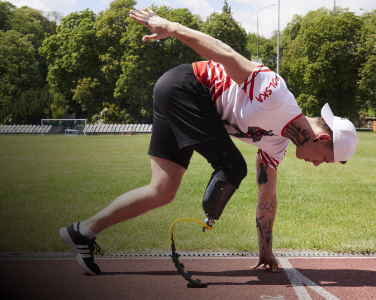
pixel 228 278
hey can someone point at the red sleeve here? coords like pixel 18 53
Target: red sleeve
pixel 212 75
pixel 200 69
pixel 268 160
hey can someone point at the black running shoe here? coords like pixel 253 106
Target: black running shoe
pixel 81 246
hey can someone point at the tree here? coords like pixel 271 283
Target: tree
pixel 18 66
pixel 58 107
pixel 33 23
pixel 226 9
pixel 22 70
pixel 29 21
pixel 86 95
pixel 223 26
pixel 72 54
pixel 367 83
pixel 111 29
pixel 320 65
pixel 267 51
pixel 144 63
pixel 34 105
pixel 84 57
pixel 110 114
pixel 54 17
pixel 6 14
pixel 268 47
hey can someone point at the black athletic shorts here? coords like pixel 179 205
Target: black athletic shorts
pixel 184 115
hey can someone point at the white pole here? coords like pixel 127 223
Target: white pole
pixel 334 10
pixel 278 41
pixel 258 31
pixel 257 39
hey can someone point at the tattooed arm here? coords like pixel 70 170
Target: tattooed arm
pixel 236 66
pixel 266 179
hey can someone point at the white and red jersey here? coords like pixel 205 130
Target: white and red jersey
pixel 257 111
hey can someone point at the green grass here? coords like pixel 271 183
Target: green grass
pixel 49 182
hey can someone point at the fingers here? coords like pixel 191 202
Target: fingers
pixel 256 266
pixel 151 12
pixel 141 16
pixel 275 268
pixel 259 264
pixel 151 21
pixel 144 14
pixel 149 37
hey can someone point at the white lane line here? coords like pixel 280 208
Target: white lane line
pixel 328 257
pixel 298 281
pixel 14 257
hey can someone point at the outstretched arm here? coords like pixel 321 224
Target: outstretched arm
pixel 266 179
pixel 236 66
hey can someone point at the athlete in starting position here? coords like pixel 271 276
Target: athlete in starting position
pixel 197 107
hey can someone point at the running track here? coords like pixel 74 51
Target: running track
pixel 345 277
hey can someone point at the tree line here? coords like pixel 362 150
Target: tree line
pixel 97 67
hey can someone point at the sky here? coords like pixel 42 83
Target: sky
pixel 244 11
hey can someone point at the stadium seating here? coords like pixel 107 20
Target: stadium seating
pixel 24 129
pixel 89 129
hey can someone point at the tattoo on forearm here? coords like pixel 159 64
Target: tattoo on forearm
pixel 269 206
pixel 267 227
pixel 298 136
pixel 267 230
pixel 259 226
pixel 262 176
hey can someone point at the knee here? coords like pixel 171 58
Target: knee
pixel 162 195
pixel 166 198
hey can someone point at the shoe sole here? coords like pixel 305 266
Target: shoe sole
pixel 68 241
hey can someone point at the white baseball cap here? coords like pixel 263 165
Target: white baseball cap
pixel 344 134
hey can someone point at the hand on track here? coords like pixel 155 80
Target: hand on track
pixel 267 260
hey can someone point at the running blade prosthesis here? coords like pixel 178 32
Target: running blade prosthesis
pixel 175 256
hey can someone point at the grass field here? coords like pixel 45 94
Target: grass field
pixel 49 182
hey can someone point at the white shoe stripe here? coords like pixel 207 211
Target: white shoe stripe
pixel 75 226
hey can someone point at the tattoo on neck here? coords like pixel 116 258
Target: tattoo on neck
pixel 298 136
pixel 262 176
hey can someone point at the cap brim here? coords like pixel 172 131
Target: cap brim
pixel 328 116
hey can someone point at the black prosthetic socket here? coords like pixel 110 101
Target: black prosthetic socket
pixel 230 169
pixel 226 160
pixel 216 196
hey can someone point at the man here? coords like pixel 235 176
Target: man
pixel 196 108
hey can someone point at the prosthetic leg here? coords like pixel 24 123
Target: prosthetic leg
pixel 230 169
pixel 216 196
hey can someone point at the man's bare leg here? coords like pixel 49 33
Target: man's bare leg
pixel 165 182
